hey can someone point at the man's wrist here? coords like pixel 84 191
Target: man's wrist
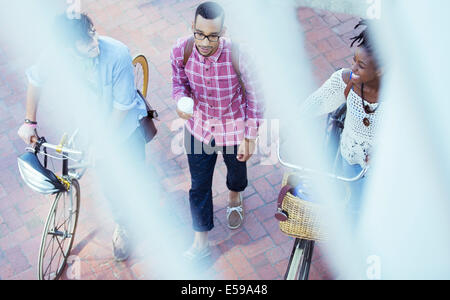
pixel 251 139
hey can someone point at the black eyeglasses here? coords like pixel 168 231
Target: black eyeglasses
pixel 212 38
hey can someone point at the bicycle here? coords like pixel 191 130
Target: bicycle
pixel 62 220
pixel 301 256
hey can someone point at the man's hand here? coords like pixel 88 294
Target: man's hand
pixel 27 133
pixel 246 150
pixel 183 115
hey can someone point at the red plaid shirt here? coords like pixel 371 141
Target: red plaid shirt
pixel 221 111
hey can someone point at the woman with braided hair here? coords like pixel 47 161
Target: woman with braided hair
pixel 359 88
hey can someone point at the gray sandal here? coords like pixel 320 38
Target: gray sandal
pixel 121 244
pixel 239 211
pixel 195 254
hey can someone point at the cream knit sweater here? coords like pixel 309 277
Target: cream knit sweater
pixel 357 139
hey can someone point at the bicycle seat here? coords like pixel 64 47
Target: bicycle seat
pixel 37 177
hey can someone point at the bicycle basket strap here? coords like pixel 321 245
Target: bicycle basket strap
pixel 188 50
pixel 282 215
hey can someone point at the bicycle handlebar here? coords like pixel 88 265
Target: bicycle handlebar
pixel 58 148
pixel 61 149
pixel 325 174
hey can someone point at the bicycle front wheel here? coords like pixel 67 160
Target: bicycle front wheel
pixel 300 261
pixel 59 233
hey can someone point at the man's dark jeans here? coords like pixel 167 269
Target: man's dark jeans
pixel 202 160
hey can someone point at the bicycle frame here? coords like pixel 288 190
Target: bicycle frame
pixel 302 251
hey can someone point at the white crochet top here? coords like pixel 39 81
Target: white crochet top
pixel 357 139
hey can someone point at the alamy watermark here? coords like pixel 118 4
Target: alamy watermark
pixel 73 10
pixel 266 145
pixel 373 271
pixel 374 9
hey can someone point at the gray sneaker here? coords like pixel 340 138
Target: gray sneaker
pixel 121 244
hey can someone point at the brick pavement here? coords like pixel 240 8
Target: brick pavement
pixel 256 251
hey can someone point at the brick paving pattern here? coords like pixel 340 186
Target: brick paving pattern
pixel 256 251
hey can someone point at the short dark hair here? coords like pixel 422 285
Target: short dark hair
pixel 210 11
pixel 70 30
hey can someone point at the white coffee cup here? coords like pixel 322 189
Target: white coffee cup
pixel 186 105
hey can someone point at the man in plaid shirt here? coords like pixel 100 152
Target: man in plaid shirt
pixel 226 118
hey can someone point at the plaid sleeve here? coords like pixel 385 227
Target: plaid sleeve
pixel 253 96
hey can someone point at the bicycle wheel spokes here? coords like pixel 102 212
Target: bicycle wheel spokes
pixel 53 241
pixel 59 233
pixel 51 262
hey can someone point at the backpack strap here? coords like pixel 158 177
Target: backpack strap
pixel 235 59
pixel 188 50
pixel 349 86
pixel 348 89
pixel 236 64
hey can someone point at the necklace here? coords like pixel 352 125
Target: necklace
pixel 367 109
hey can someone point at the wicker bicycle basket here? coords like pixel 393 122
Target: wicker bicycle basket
pixel 304 217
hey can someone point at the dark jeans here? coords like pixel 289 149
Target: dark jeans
pixel 126 161
pixel 202 160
